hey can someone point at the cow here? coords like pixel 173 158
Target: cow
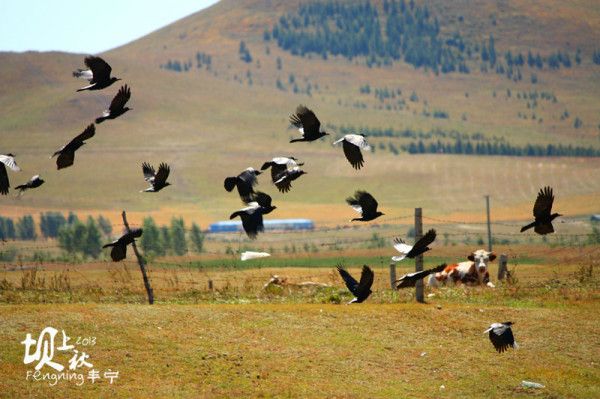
pixel 472 272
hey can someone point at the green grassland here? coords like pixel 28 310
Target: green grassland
pixel 242 340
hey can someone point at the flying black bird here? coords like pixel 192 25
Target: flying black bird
pixel 410 279
pixel 245 183
pixel 307 123
pixel 66 155
pixel 420 246
pixel 501 336
pixel 352 144
pixel 119 247
pixel 252 219
pixel 279 165
pixel 542 213
pixel 361 290
pixel 34 182
pixel 98 74
pixel 365 204
pixel 284 179
pixel 6 160
pixel 264 200
pixel 117 105
pixel 158 180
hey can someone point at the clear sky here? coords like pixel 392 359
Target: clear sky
pixel 81 26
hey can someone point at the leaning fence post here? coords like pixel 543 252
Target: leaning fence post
pixel 502 266
pixel 392 274
pixel 419 259
pixel 141 263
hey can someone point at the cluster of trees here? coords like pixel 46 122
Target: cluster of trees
pixel 23 229
pixel 170 240
pixel 466 147
pixel 76 237
pixel 405 31
pixel 202 60
pixel 245 53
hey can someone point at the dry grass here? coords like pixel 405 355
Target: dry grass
pixel 239 340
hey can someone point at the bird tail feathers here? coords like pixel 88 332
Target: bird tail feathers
pixel 530 225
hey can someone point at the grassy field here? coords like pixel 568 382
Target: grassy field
pixel 241 340
pixel 208 125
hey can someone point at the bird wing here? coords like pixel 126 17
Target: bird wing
pixel 367 202
pixel 306 119
pixel 366 280
pixel 120 99
pixel 283 182
pixel 401 246
pixel 10 162
pixel 88 133
pixel 252 223
pixel 100 68
pixel 351 283
pixel 118 252
pixel 148 171
pixel 421 245
pixel 358 140
pixel 4 183
pixel 354 203
pixel 276 172
pixel 230 183
pixel 162 174
pixel 245 183
pixel 502 337
pixel 410 279
pixel 353 154
pixel 248 177
pixel 262 199
pixel 65 159
pixel 543 203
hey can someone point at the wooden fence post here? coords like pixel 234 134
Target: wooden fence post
pixel 210 285
pixel 502 267
pixel 419 259
pixel 141 263
pixel 392 275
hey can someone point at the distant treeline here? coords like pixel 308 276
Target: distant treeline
pixel 86 238
pixel 414 134
pixel 439 141
pixel 466 147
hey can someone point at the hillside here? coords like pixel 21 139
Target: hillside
pixel 224 114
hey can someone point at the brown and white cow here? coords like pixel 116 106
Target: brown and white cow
pixel 472 272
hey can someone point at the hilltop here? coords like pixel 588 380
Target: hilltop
pixel 215 86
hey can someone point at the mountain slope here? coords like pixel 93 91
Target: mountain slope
pixel 212 122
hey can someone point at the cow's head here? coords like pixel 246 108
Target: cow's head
pixel 481 257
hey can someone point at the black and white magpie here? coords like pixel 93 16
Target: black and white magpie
pixel 98 74
pixel 365 204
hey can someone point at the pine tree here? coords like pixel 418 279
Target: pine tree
pixel 178 236
pixel 26 228
pixel 151 241
pixel 197 238
pixel 93 242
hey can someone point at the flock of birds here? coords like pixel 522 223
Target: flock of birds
pixel 284 170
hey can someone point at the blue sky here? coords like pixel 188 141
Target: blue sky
pixel 78 26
